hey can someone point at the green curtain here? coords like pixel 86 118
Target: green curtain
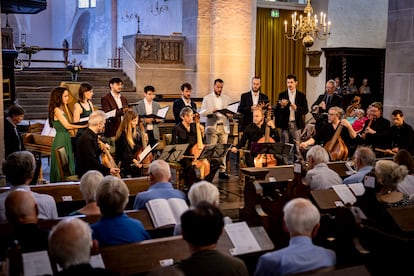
pixel 277 56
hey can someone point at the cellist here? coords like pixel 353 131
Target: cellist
pixel 254 132
pixel 186 132
pixel 327 131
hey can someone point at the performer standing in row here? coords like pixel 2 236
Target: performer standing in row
pixel 217 124
pixel 114 101
pixel 376 131
pixel 148 106
pixel 12 139
pixel 290 111
pixel 185 100
pixel 58 120
pixel 127 143
pixel 249 101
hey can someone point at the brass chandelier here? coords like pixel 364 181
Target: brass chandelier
pixel 308 26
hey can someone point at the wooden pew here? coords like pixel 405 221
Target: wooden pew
pixel 140 258
pixel 68 197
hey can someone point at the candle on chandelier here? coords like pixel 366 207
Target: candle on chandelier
pixel 329 26
pixel 285 26
pixel 324 19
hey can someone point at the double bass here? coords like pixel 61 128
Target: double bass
pixel 106 157
pixel 266 159
pixel 202 164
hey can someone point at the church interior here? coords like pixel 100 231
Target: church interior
pixel 165 44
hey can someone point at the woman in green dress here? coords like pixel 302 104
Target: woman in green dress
pixel 58 120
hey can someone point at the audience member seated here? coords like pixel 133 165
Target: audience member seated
pixel 70 244
pixel 89 182
pixel 115 227
pixel 301 219
pixel 389 174
pixel 364 159
pixel 19 169
pixel 160 187
pixel 22 212
pixel 320 176
pixel 202 191
pixel 404 157
pixel 364 88
pixel 202 227
pixel 359 122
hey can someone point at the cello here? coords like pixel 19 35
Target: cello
pixel 148 159
pixel 336 147
pixel 106 157
pixel 266 159
pixel 203 165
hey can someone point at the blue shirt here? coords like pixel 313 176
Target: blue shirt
pixel 357 177
pixel 118 230
pixel 301 255
pixel 158 190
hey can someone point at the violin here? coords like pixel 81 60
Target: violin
pixel 149 158
pixel 106 157
pixel 266 159
pixel 203 165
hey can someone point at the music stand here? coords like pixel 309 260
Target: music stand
pixel 270 148
pixel 320 116
pixel 173 153
pixel 214 151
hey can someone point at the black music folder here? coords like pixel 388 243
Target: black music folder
pixel 161 113
pixel 231 108
pixel 271 148
pixel 173 153
pixel 214 151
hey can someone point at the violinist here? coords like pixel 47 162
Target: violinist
pixel 127 143
pixel 89 151
pixel 254 132
pixel 376 131
pixel 325 134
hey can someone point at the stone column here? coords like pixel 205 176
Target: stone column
pixel 220 43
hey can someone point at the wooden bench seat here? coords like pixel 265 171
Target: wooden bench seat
pixel 142 257
pixel 38 143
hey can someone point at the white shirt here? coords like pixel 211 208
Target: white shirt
pixel 186 102
pixel 255 98
pixel 117 98
pixel 218 104
pixel 148 111
pixel 292 97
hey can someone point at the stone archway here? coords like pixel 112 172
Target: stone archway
pixel 80 41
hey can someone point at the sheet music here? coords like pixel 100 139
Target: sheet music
pixel 344 193
pixel 97 261
pixel 162 112
pixel 47 130
pixel 242 238
pixel 146 151
pixel 84 119
pixel 110 114
pixel 36 263
pixel 233 107
pixel 357 188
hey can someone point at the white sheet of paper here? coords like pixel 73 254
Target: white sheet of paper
pixel 233 107
pixel 110 114
pixel 36 263
pixel 96 261
pixel 242 238
pixel 357 188
pixel 162 112
pixel 47 130
pixel 369 181
pixel 146 151
pixel 84 119
pixel 344 193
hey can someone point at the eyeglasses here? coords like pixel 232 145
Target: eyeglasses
pixel 332 114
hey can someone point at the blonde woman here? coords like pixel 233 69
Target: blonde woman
pixel 127 143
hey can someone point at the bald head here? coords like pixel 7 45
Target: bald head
pixel 21 207
pixel 70 242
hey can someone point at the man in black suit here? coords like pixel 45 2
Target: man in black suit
pixel 325 101
pixel 185 100
pixel 290 111
pixel 249 101
pixel 12 139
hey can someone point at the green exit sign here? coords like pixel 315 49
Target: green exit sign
pixel 274 13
